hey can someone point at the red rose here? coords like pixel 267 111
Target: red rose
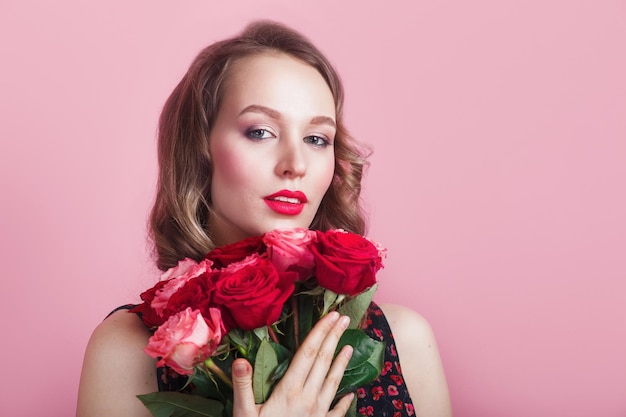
pixel 195 294
pixel 176 278
pixel 156 298
pixel 252 296
pixel 235 252
pixel 345 263
pixel 147 313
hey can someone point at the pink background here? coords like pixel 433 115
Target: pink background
pixel 497 182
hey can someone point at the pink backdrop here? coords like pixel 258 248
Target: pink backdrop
pixel 497 183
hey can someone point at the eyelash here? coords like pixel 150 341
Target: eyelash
pixel 251 134
pixel 324 142
pixel 317 141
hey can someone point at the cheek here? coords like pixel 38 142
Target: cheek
pixel 325 174
pixel 229 166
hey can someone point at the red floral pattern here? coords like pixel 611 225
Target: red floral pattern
pixel 387 395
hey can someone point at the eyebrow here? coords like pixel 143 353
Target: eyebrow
pixel 256 108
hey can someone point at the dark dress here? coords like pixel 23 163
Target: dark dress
pixel 386 396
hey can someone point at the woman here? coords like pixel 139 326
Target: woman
pixel 252 139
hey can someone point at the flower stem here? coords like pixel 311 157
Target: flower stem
pixel 296 322
pixel 272 334
pixel 216 370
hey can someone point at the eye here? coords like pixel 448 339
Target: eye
pixel 317 141
pixel 258 134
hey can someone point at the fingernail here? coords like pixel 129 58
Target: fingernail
pixel 348 350
pixel 333 316
pixel 344 322
pixel 240 369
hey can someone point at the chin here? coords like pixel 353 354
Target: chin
pixel 287 224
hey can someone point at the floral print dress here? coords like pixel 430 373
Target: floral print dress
pixel 386 396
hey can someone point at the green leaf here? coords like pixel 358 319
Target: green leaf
pixel 264 366
pixel 177 404
pixel 280 371
pixel 282 353
pixel 262 332
pixel 366 362
pixel 204 385
pixel 209 384
pixel 240 339
pixel 331 299
pixel 245 341
pixel 356 307
pixel 283 356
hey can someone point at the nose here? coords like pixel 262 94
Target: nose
pixel 291 159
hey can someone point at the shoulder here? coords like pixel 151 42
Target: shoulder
pixel 121 335
pixel 402 318
pixel 415 341
pixel 116 369
pixel 121 323
pixel 421 363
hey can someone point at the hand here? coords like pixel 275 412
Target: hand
pixel 309 385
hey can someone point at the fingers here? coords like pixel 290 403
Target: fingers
pixel 333 378
pixel 319 374
pixel 341 408
pixel 243 401
pixel 310 384
pixel 308 355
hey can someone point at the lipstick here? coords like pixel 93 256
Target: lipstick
pixel 287 202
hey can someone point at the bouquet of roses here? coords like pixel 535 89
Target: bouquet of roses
pixel 258 299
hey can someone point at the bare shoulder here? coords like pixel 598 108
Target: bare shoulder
pixel 115 368
pixel 421 363
pixel 401 317
pixel 409 327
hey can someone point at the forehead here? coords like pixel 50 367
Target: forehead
pixel 279 81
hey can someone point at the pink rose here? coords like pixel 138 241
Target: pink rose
pixel 248 261
pixel 186 339
pixel 288 249
pixel 176 278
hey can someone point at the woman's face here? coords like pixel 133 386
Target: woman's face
pixel 271 147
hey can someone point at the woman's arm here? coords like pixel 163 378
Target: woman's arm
pixel 116 369
pixel 421 364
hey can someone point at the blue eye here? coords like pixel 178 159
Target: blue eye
pixel 259 134
pixel 317 141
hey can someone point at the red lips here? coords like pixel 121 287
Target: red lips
pixel 286 202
